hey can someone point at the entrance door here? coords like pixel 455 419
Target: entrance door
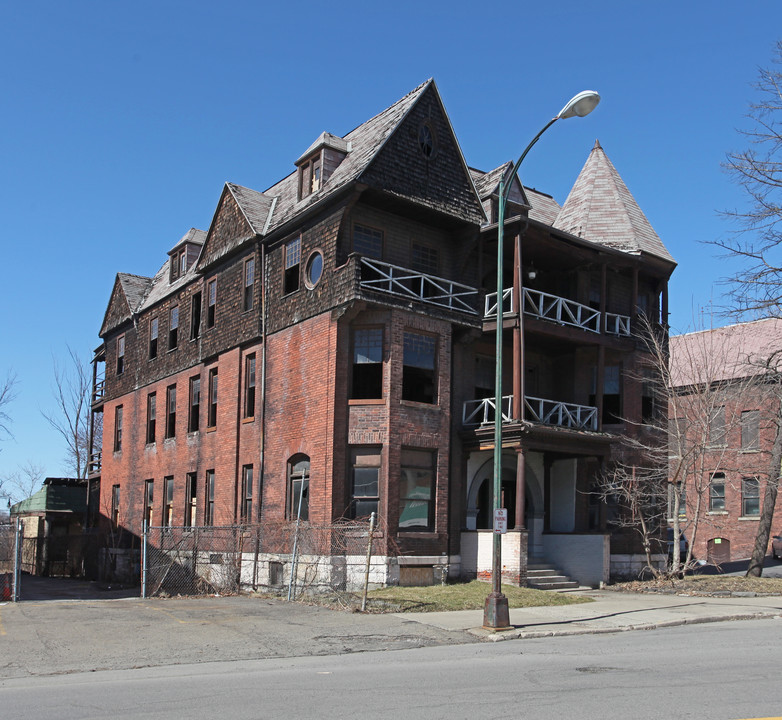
pixel 718 551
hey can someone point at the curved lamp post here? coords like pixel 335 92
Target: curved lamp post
pixel 495 613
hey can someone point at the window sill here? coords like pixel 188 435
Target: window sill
pixel 248 420
pixel 421 534
pixel 418 404
pixel 366 401
pixel 717 512
pixel 749 518
pixel 752 451
pixel 211 429
pixel 170 350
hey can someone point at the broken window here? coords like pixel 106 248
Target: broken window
pixel 299 487
pixel 211 302
pixel 195 316
pixel 367 376
pixel 416 492
pixel 211 420
pixel 173 327
pixel 195 404
pixel 120 354
pixel 246 503
pixel 418 371
pixel 170 411
pixel 191 495
pixel 249 386
pixel 151 416
pixel 149 494
pixel 118 428
pixel 209 498
pixel 365 468
pixel 717 432
pixel 168 500
pixel 292 251
pixel 115 506
pixel 153 338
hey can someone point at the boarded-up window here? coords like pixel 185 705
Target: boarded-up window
pixel 717 436
pixel 749 429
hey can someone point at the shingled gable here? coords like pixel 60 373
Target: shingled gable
pixel 127 295
pixel 601 209
pixel 241 214
pixel 440 180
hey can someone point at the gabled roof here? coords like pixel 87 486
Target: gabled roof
pixel 135 288
pixel 126 296
pixel 725 353
pixel 601 209
pixel 328 140
pixel 543 207
pixel 193 235
pixel 255 206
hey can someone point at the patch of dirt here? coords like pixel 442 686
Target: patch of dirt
pixel 705 585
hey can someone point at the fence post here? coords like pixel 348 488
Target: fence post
pixel 369 559
pixel 294 562
pixel 144 560
pixel 18 560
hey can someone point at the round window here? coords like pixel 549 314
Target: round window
pixel 314 269
pixel 426 140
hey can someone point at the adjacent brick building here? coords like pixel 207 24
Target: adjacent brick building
pixel 335 333
pixel 727 449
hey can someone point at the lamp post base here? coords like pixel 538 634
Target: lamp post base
pixel 496 615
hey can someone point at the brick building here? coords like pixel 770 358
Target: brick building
pixel 726 476
pixel 334 335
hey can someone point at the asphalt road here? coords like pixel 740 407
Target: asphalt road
pixel 723 671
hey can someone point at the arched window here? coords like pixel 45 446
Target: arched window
pixel 298 487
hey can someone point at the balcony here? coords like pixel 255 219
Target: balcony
pixel 562 311
pixel 98 391
pixel 536 410
pixel 95 464
pixel 412 285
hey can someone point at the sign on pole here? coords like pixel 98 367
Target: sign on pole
pixel 500 521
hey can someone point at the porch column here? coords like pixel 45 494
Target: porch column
pixel 520 488
pixel 518 335
pixel 600 384
pixel 547 462
pixel 664 304
pixel 634 298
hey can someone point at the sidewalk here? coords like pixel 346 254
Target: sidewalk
pixel 611 611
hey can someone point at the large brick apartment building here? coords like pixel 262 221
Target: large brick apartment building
pixel 334 334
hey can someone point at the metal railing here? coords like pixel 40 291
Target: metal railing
pixel 561 414
pixel 403 282
pixel 539 410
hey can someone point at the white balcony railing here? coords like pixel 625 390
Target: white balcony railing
pixel 403 282
pixel 539 410
pixel 481 412
pixel 561 414
pixel 560 310
pixel 617 324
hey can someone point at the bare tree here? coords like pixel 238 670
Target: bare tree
pixel 72 385
pixel 663 471
pixel 7 395
pixel 754 248
pixel 22 482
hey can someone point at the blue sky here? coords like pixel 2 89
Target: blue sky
pixel 122 121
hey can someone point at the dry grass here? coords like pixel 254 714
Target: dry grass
pixel 460 596
pixel 706 585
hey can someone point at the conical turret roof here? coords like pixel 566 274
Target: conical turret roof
pixel 602 210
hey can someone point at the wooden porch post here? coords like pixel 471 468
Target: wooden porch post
pixel 520 488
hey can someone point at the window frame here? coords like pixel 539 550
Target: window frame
pixel 118 419
pixel 750 430
pixel 209 497
pixel 149 504
pixel 115 505
pixel 211 419
pixel 302 480
pixel 374 462
pixel 154 326
pixel 170 430
pixel 195 315
pixel 248 292
pixel 120 347
pixel 362 388
pixel 191 500
pixel 413 461
pixel 717 429
pixel 369 234
pixel 173 327
pixel 246 499
pixel 717 499
pixel 167 518
pixel 747 497
pixel 211 303
pixel 194 404
pixel 413 379
pixel 291 266
pixel 248 409
pixel 151 418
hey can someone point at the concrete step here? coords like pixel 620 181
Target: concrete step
pixel 553 585
pixel 543 576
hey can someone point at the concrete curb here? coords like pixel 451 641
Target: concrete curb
pixel 521 634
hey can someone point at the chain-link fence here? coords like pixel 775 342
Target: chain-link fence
pixel 272 557
pixel 10 571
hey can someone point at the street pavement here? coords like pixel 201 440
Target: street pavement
pixel 43 637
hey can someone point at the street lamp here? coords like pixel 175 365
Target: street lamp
pixel 495 612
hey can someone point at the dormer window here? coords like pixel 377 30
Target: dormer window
pixel 310 176
pixel 319 161
pixel 178 263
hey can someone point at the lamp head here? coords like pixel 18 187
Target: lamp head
pixel 580 105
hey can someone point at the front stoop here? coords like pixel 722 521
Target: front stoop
pixel 542 576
